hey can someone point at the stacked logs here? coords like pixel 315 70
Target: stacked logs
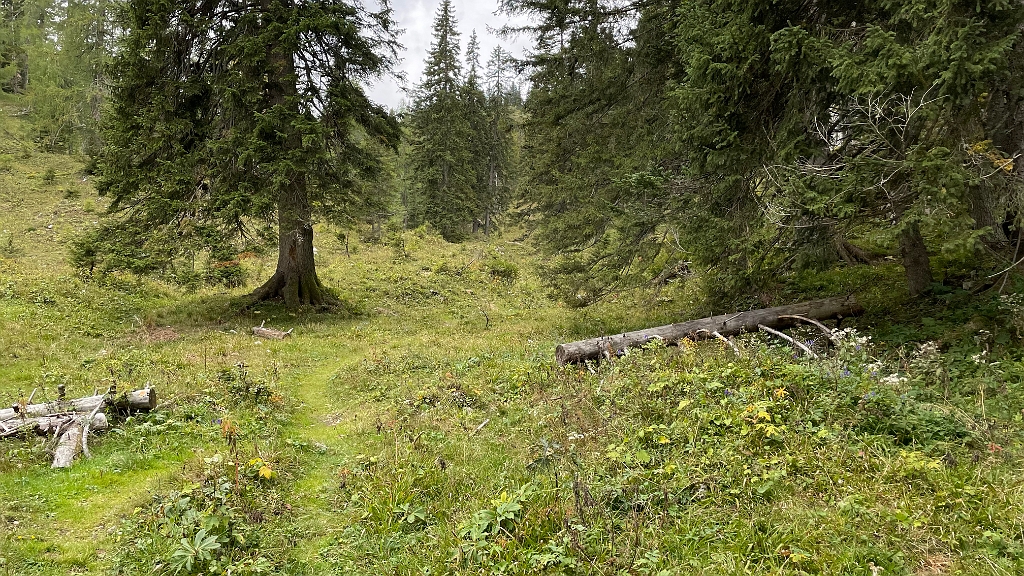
pixel 71 421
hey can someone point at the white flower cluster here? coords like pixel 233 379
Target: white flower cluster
pixel 1012 303
pixel 850 337
pixel 894 380
pixel 928 350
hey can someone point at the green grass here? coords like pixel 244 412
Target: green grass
pixel 423 428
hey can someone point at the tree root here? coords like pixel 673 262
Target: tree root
pixel 296 290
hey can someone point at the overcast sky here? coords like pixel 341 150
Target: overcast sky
pixel 417 18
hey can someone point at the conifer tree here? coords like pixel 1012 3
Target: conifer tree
pixel 752 138
pixel 13 56
pixel 227 117
pixel 74 40
pixel 442 150
pixel 502 98
pixel 475 108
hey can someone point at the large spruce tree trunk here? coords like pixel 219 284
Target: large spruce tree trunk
pixel 295 279
pixel 915 259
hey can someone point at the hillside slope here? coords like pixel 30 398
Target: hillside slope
pixel 423 428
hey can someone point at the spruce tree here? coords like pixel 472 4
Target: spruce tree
pixel 13 56
pixel 442 150
pixel 755 138
pixel 501 101
pixel 70 55
pixel 226 118
pixel 475 109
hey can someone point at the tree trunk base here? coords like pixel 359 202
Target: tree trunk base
pixel 295 289
pixel 916 263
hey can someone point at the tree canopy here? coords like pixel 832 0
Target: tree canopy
pixel 752 138
pixel 227 117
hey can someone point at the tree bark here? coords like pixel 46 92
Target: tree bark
pixel 69 446
pixel 915 259
pixel 726 325
pixel 138 401
pixel 295 279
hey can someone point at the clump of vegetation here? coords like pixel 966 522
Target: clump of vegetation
pixel 212 526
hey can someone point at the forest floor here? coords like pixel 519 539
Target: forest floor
pixel 422 428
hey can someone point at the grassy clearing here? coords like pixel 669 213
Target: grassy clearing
pixel 422 429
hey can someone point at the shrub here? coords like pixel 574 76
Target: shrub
pixel 503 270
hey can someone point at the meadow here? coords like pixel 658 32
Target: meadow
pixel 422 427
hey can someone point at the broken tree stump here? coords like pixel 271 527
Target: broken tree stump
pixel 725 324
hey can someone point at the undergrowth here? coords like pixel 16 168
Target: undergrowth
pixel 423 428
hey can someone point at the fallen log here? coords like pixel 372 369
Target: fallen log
pixel 71 421
pixel 47 425
pixel 69 445
pixel 143 400
pixel 725 324
pixel 270 332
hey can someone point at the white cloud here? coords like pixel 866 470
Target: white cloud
pixel 416 17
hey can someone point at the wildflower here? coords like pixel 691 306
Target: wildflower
pixel 846 373
pixel 893 379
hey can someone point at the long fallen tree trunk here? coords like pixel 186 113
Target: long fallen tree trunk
pixel 71 421
pixel 725 324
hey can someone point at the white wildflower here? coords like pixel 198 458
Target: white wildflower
pixel 893 380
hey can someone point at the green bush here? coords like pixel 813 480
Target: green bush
pixel 503 270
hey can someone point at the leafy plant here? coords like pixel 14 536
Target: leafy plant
pixel 192 556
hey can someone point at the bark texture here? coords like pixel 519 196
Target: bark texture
pixel 142 400
pixel 69 446
pixel 915 259
pixel 726 325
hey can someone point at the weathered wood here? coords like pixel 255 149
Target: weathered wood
pixel 32 410
pixel 824 329
pixel 789 339
pixel 724 340
pixel 270 332
pixel 47 425
pixel 725 324
pixel 143 400
pixel 69 445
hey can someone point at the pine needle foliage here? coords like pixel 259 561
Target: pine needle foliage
pixel 228 117
pixel 753 139
pixel 443 147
